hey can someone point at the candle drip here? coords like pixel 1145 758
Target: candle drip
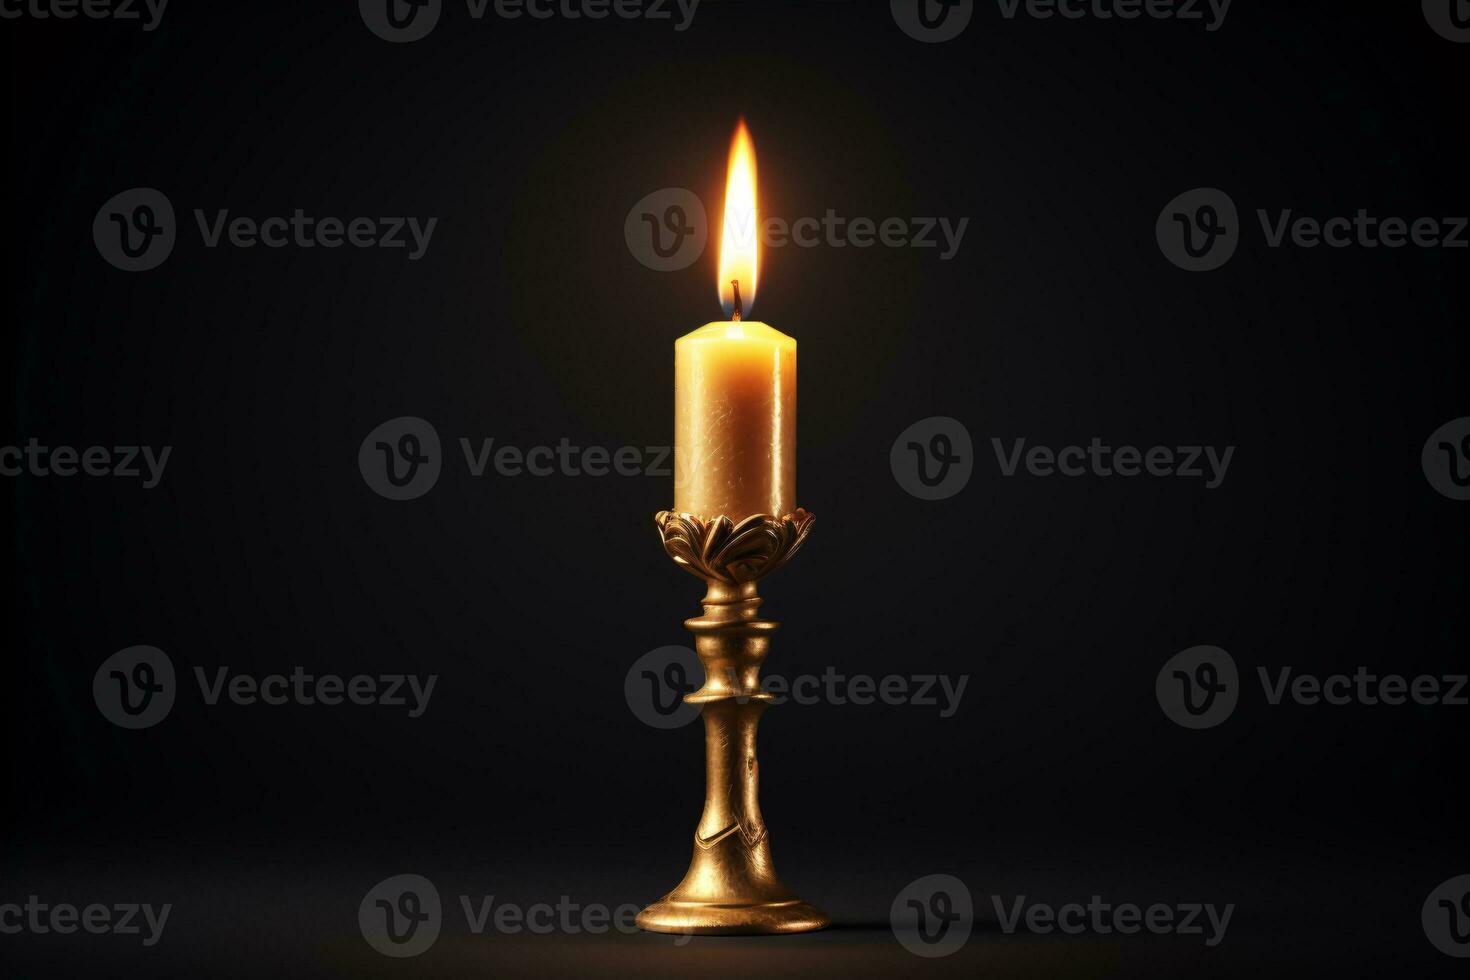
pixel 735 285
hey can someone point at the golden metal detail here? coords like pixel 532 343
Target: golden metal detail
pixel 731 887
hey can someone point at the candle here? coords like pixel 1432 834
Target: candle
pixel 735 382
pixel 735 421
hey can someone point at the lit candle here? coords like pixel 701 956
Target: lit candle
pixel 735 382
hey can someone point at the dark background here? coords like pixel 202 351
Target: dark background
pixel 528 321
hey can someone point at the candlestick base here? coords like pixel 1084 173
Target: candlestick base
pixel 731 887
pixel 704 919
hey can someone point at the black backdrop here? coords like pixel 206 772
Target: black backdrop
pixel 529 321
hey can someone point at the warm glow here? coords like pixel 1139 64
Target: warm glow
pixel 740 231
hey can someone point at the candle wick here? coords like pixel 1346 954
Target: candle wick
pixel 735 284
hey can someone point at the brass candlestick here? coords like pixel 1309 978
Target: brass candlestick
pixel 731 887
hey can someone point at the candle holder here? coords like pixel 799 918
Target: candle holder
pixel 731 887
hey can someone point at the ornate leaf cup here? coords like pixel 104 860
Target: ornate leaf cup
pixel 720 550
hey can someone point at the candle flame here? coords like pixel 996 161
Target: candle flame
pixel 740 232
